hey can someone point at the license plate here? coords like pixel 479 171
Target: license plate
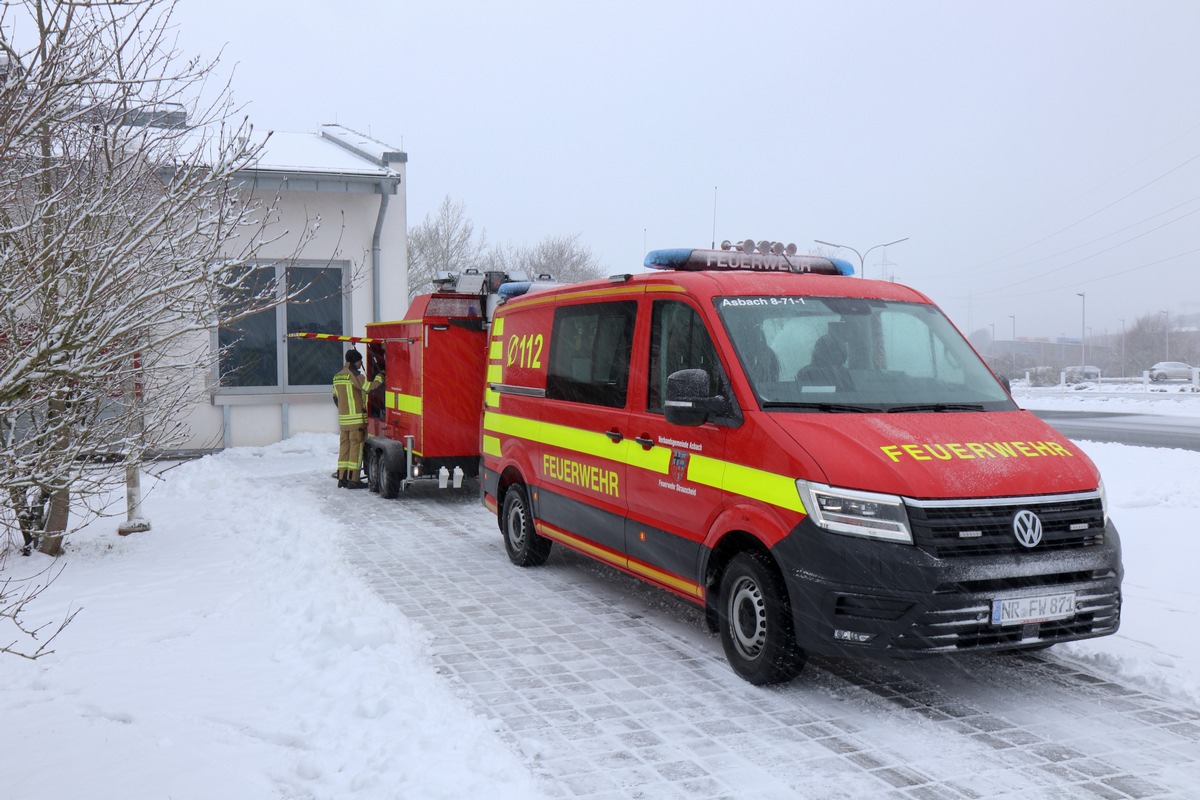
pixel 1027 610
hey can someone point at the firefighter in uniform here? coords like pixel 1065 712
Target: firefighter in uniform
pixel 350 388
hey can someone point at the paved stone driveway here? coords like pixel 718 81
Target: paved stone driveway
pixel 612 689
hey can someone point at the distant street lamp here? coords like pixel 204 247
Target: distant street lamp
pixel 1122 347
pixel 1167 328
pixel 1083 330
pixel 1013 317
pixel 862 257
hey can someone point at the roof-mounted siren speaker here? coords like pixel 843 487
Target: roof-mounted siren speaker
pixel 764 246
pixel 748 246
pixel 726 245
pixel 790 249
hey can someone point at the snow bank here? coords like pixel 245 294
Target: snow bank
pixel 230 653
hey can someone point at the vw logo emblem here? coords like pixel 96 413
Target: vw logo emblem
pixel 1027 528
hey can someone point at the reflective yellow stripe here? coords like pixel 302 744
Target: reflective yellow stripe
pixel 535 299
pixel 778 490
pixel 513 426
pixel 551 532
pixel 678 584
pixel 491 446
pixel 495 370
pixel 737 479
pixel 410 404
pixel 706 471
pixel 599 553
pixel 656 459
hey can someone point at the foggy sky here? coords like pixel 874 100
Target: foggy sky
pixel 1029 150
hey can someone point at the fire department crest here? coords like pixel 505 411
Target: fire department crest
pixel 679 464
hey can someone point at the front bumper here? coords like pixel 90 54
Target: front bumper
pixel 854 597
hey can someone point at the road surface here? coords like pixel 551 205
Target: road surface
pixel 609 688
pixel 1146 430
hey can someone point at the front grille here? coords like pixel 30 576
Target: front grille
pixel 954 528
pixel 968 627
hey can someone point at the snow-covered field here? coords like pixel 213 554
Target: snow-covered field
pixel 232 653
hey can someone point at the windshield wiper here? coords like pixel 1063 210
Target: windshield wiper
pixel 936 407
pixel 831 408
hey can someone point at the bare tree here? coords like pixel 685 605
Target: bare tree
pixel 564 257
pixel 124 242
pixel 16 595
pixel 444 242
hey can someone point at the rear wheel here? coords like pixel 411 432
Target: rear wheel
pixel 755 621
pixel 374 463
pixel 525 548
pixel 389 479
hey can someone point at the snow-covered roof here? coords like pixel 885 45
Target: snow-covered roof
pixel 333 149
pixel 334 158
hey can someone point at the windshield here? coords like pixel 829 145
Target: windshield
pixel 838 354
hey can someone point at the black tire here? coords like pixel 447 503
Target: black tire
pixel 374 463
pixel 525 548
pixel 389 479
pixel 755 621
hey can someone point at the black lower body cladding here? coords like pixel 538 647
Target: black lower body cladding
pixel 854 596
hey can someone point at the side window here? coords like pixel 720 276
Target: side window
pixel 679 340
pixel 590 346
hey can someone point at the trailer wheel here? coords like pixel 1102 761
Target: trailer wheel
pixel 373 463
pixel 755 621
pixel 389 479
pixel 525 548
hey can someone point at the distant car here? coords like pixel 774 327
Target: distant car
pixel 1082 373
pixel 1165 370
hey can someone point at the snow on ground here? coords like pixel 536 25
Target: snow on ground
pixel 1112 396
pixel 231 653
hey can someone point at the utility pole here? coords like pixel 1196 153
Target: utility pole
pixel 883 265
pixel 862 257
pixel 1013 317
pixel 1122 347
pixel 1083 329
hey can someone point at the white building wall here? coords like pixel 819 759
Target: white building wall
pixel 347 221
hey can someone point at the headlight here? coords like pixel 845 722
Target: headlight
pixel 877 516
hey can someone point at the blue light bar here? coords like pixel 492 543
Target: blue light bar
pixel 694 260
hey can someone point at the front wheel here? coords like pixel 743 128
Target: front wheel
pixel 525 548
pixel 755 621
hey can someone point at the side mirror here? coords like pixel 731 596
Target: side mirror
pixel 1006 383
pixel 688 401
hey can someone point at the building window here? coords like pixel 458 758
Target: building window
pixel 255 353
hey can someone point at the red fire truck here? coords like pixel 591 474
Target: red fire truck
pixel 823 463
pixel 423 424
